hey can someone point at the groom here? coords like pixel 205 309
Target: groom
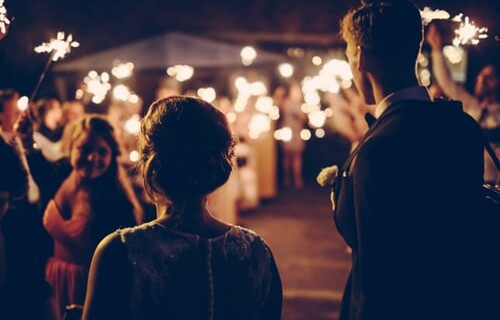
pixel 405 198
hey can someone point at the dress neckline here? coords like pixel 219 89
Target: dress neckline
pixel 194 235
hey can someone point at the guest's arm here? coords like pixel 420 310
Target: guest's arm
pixel 109 286
pixel 443 77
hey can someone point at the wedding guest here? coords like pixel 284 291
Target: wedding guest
pixel 186 264
pixel 87 196
pixel 483 105
pixel 24 293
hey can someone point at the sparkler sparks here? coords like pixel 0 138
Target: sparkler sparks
pixel 58 47
pixel 468 32
pixel 4 21
pixel 428 15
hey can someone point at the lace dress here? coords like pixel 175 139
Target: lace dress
pixel 184 276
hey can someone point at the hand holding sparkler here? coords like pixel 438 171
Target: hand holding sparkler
pixel 58 48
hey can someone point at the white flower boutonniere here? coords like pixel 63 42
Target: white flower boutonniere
pixel 327 176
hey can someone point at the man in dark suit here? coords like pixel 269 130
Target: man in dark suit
pixel 406 198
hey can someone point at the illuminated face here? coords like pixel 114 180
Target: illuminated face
pixel 486 83
pixel 359 75
pixel 91 156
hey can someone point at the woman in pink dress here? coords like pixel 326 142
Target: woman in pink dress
pixel 92 198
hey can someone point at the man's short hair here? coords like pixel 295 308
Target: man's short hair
pixel 388 29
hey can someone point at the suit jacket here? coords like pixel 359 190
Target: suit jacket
pixel 405 203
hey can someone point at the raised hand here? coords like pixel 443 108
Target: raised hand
pixel 434 38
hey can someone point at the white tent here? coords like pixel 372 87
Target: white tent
pixel 166 50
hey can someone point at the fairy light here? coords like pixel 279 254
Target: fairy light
pixel 123 70
pixel 317 118
pixel 319 133
pixel 59 47
pixel 467 32
pixel 305 134
pixel 134 156
pixel 4 21
pixel 286 70
pixel 22 103
pixel 97 85
pixel 121 92
pixel 258 125
pixel 248 55
pixel 181 72
pixel 133 125
pixel 316 60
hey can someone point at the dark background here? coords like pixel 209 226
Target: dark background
pixel 273 25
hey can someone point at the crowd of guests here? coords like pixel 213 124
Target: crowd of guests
pixel 77 239
pixel 82 192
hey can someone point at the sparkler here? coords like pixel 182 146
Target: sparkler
pixel 468 32
pixel 4 21
pixel 428 15
pixel 58 48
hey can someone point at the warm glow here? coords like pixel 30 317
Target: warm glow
pixel 133 125
pixel 231 117
pixel 264 104
pixel 286 70
pixel 207 94
pixel 320 133
pixel 454 54
pixel 305 134
pixel 338 68
pixel 22 103
pixel 123 70
pixel 317 118
pixel 317 61
pixel 4 21
pixel 134 156
pixel 121 92
pixel 58 47
pixel 283 134
pixel 133 98
pixel 467 32
pixel 274 113
pixel 259 124
pixel 428 15
pixel 97 85
pixel 181 72
pixel 248 55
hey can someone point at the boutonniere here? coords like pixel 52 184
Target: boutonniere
pixel 327 176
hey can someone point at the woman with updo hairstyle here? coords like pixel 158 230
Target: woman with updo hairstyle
pixel 186 264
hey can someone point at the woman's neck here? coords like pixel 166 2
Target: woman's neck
pixel 190 216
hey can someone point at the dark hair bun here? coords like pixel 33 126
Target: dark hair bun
pixel 190 145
